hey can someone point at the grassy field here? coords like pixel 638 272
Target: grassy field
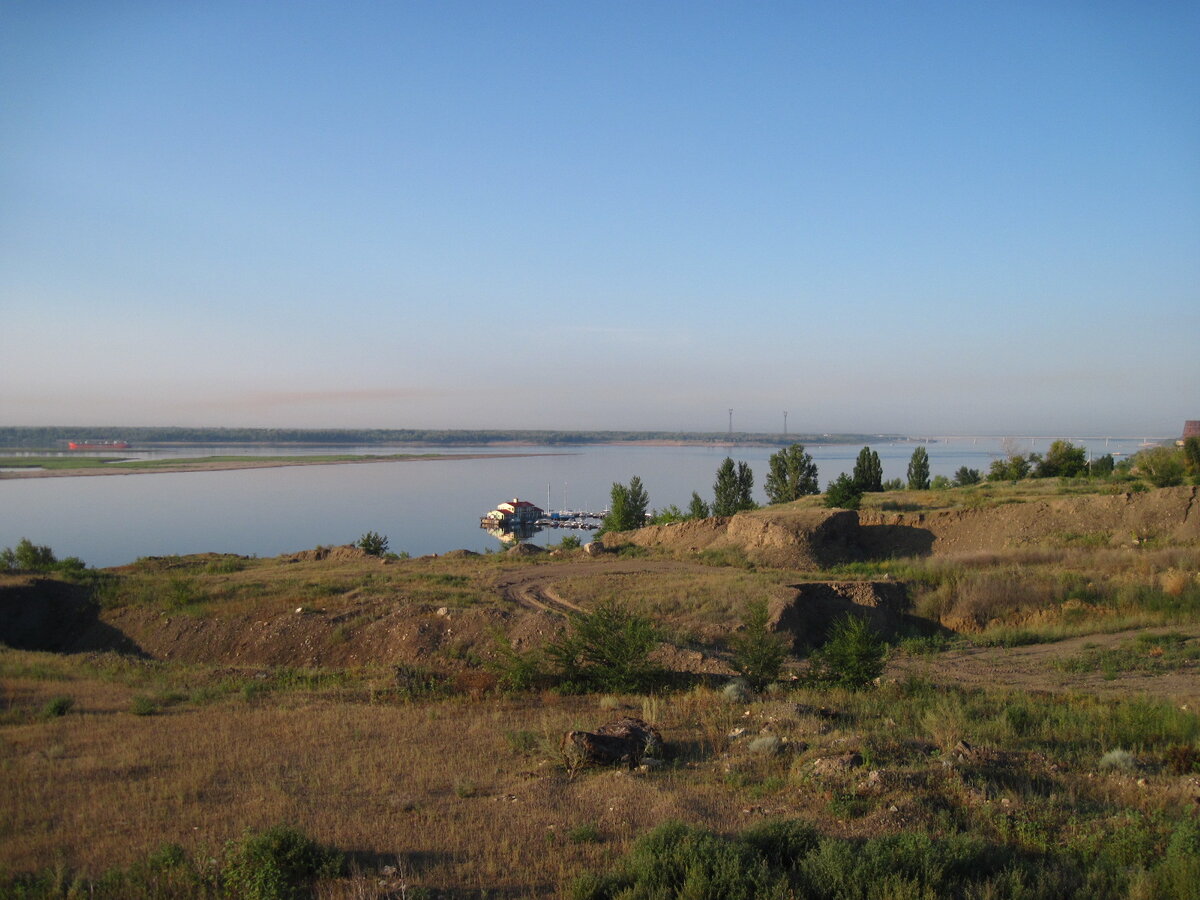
pixel 1037 738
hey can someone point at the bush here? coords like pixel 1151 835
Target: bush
pixel 1161 466
pixel 964 477
pixel 373 544
pixel 853 656
pixel 843 493
pixel 56 707
pixel 678 861
pixel 606 650
pixel 277 863
pixel 30 557
pixel 758 652
pixel 518 670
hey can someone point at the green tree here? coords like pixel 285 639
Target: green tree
pixel 627 506
pixel 668 515
pixel 853 656
pixel 893 484
pixel 639 502
pixel 843 493
pixel 758 652
pixel 918 470
pixel 1063 460
pixel 1012 468
pixel 965 476
pixel 28 557
pixel 733 489
pixel 697 509
pixel 373 543
pixel 1161 466
pixel 792 474
pixel 1102 466
pixel 868 471
pixel 1191 454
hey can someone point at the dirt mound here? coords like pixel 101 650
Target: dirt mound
pixel 806 539
pixel 1170 514
pixel 813 539
pixel 343 552
pixel 807 615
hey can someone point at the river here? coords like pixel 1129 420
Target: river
pixel 422 506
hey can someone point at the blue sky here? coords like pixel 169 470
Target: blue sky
pixel 921 217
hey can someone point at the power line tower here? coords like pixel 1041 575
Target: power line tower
pixel 731 424
pixel 785 424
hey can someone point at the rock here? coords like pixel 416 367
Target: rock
pixel 835 765
pixel 525 550
pixel 626 740
pixel 594 548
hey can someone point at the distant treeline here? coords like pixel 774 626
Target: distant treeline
pixel 53 436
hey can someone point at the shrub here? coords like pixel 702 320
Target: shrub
pixel 518 670
pixel 570 542
pixel 1161 466
pixel 27 557
pixel 678 861
pixel 277 863
pixel 606 650
pixel 843 493
pixel 737 691
pixel 758 652
pixel 57 706
pixel 1117 760
pixel 853 656
pixel 373 543
pixel 143 706
pixel 965 476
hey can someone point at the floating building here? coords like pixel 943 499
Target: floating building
pixel 512 512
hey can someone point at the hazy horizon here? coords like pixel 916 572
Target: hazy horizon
pixel 928 218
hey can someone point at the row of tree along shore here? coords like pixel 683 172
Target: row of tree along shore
pixel 792 474
pixel 54 435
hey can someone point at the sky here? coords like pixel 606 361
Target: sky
pixel 917 217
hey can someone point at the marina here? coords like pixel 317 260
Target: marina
pixel 523 519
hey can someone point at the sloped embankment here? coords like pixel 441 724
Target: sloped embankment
pixel 1168 514
pixel 784 538
pixel 812 539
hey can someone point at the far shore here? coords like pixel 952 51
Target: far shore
pixel 88 465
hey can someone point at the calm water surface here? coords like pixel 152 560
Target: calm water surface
pixel 423 506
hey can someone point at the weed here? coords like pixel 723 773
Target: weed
pixel 57 706
pixel 1117 760
pixel 586 833
pixel 143 706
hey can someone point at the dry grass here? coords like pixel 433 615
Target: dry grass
pixel 474 795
